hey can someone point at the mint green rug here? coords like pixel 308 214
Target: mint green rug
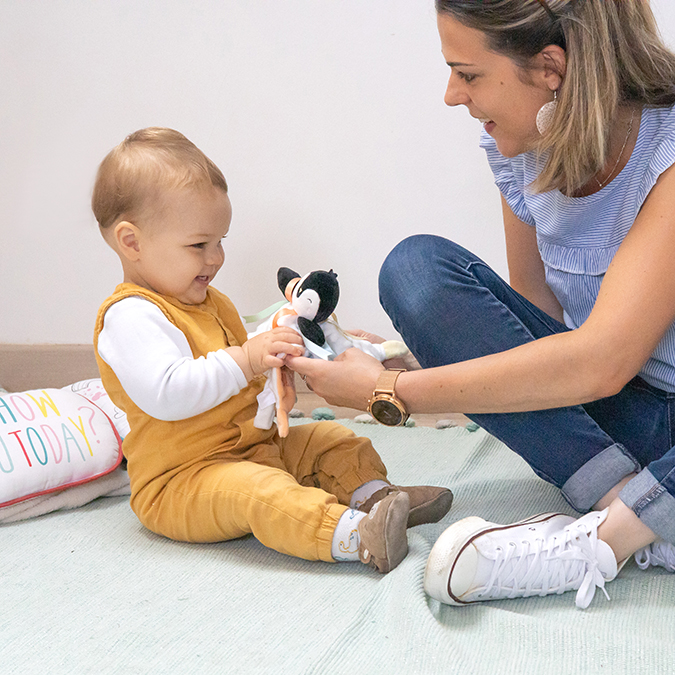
pixel 91 591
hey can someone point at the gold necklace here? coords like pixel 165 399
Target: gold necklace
pixel 618 159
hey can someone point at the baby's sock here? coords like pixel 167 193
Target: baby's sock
pixel 363 493
pixel 346 540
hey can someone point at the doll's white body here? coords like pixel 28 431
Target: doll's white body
pixel 337 341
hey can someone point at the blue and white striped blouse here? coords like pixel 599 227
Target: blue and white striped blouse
pixel 578 237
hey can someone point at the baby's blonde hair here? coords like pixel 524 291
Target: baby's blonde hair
pixel 145 163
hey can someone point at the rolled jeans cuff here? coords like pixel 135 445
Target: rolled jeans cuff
pixel 598 476
pixel 651 503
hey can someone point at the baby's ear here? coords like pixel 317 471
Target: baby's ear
pixel 126 236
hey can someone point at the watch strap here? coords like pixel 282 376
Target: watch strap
pixel 386 382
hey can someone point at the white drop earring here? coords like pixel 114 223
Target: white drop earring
pixel 546 113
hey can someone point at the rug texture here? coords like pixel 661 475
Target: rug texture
pixel 91 591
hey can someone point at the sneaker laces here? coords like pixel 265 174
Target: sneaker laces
pixel 659 553
pixel 566 561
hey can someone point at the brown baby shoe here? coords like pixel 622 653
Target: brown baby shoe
pixel 428 503
pixel 384 542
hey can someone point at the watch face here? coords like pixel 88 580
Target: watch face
pixel 386 413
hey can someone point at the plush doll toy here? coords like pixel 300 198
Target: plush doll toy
pixel 311 302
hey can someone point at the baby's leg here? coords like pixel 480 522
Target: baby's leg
pixel 225 500
pixel 330 456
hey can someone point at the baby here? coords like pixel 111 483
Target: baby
pixel 173 354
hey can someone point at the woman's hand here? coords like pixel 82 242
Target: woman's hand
pixel 347 381
pixel 371 337
pixel 261 352
pixel 407 362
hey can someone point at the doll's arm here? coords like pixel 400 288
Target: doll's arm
pixel 340 340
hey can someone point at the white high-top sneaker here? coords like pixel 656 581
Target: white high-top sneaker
pixel 474 560
pixel 658 554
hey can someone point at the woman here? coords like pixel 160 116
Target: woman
pixel 572 365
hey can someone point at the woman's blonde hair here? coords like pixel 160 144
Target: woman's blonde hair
pixel 141 166
pixel 615 57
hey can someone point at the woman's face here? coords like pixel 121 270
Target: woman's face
pixel 491 86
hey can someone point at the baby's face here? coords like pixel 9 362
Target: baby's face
pixel 181 247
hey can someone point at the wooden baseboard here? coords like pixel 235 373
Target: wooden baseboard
pixel 24 367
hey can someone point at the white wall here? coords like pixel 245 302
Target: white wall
pixel 326 117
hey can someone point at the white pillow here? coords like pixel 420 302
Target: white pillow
pixel 51 439
pixel 94 391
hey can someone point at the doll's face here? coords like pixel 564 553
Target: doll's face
pixel 307 303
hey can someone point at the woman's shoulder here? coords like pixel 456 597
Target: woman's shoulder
pixel 663 114
pixel 517 168
pixel 511 175
pixel 655 149
pixel 658 125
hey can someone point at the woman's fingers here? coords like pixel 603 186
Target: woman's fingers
pixel 300 364
pixel 371 337
pixel 348 381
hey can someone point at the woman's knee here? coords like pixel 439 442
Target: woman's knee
pixel 419 256
pixel 415 267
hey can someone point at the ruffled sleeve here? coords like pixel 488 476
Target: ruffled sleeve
pixel 663 155
pixel 509 178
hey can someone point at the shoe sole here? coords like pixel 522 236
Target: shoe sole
pixel 452 543
pixel 395 532
pixel 432 511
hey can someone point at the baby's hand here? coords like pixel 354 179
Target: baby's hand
pixel 267 350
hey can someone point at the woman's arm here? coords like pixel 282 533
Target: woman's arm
pixel 526 268
pixel 634 308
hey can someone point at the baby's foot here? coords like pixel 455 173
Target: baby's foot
pixel 382 532
pixel 428 504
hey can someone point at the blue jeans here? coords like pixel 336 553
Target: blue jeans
pixel 449 306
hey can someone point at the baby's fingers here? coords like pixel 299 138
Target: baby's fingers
pixel 273 361
pixel 287 334
pixel 281 347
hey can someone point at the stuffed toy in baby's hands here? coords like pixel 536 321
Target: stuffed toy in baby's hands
pixel 311 302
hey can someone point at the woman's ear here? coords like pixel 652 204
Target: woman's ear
pixel 553 61
pixel 127 240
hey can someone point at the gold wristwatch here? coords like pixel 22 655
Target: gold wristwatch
pixel 384 405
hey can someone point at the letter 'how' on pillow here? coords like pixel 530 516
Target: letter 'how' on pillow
pixel 52 439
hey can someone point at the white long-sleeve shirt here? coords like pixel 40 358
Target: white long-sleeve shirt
pixel 154 363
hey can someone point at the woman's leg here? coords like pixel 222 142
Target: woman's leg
pixel 651 496
pixel 624 531
pixel 449 306
pixel 642 418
